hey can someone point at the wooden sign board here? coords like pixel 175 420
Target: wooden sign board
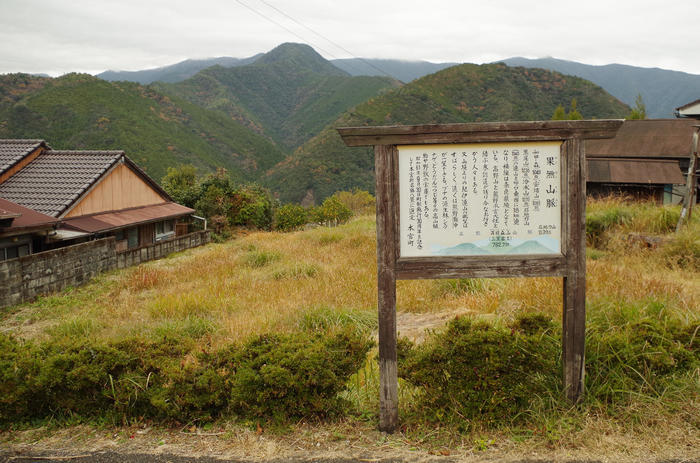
pixel 479 201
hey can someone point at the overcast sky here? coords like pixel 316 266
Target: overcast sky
pixel 60 36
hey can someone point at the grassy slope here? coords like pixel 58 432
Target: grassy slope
pixel 267 281
pixel 290 93
pixel 465 93
pixel 78 111
pixel 272 282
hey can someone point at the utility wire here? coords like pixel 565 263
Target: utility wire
pixel 328 40
pixel 267 18
pixel 282 26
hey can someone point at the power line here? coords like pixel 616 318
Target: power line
pixel 267 18
pixel 327 39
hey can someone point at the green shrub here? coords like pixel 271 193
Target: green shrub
pixel 331 212
pixel 290 217
pixel 272 377
pixel 251 206
pixel 360 202
pixel 635 349
pixel 474 371
pixel 258 259
pixel 683 248
pixel 600 221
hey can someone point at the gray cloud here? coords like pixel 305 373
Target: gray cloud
pixel 56 36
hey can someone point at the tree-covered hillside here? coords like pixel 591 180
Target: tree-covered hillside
pixel 288 94
pixel 661 89
pixel 465 93
pixel 79 111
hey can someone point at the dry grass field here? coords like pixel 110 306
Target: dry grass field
pixel 265 282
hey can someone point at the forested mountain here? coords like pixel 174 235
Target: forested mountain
pixel 405 71
pixel 662 90
pixel 79 111
pixel 288 94
pixel 273 120
pixel 175 72
pixel 465 93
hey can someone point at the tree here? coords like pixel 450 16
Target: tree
pixel 573 114
pixel 182 185
pixel 559 114
pixel 640 110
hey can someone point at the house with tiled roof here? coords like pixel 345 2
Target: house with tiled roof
pixel 22 230
pixel 647 158
pixel 691 110
pixel 92 193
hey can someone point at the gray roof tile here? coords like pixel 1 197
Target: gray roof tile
pixel 12 151
pixel 55 179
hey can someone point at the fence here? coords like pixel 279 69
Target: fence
pixel 24 278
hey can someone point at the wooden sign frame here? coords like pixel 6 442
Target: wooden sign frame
pixel 571 264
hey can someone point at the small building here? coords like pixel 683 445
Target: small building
pixel 691 110
pixel 94 194
pixel 647 159
pixel 22 230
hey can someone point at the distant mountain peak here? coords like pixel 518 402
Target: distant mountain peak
pixel 300 56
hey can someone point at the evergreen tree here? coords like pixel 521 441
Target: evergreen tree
pixel 559 114
pixel 640 110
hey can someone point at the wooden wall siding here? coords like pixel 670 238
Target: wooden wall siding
pixel 120 189
pixel 21 164
pixel 147 234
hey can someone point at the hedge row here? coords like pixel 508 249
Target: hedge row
pixel 272 377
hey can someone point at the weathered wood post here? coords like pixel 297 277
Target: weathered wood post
pixel 443 217
pixel 691 182
pixel 386 284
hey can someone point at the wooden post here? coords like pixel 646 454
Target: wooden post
pixel 690 184
pixel 386 287
pixel 574 310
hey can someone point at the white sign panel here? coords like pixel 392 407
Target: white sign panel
pixel 480 199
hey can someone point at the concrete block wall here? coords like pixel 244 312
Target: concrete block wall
pixel 160 249
pixel 27 277
pixel 24 278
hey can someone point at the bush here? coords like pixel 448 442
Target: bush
pixel 634 349
pixel 600 221
pixel 683 248
pixel 331 212
pixel 290 217
pixel 251 206
pixel 360 202
pixel 271 377
pixel 474 371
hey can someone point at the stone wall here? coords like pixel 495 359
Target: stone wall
pixel 160 249
pixel 24 278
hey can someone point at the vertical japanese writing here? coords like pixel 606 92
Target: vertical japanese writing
pixel 495 199
pixel 526 189
pixel 485 186
pixel 506 189
pixel 444 191
pixel 464 171
pixel 434 190
pixel 419 202
pixel 515 155
pixel 536 180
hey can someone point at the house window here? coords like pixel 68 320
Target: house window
pixel 132 237
pixel 13 252
pixel 165 230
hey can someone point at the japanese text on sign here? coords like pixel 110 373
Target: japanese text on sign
pixel 480 199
